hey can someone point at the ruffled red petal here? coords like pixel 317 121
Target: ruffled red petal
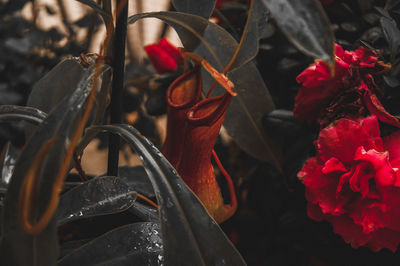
pixel 335 141
pixel 391 144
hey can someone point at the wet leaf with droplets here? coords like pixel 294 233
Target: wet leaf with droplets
pixel 100 196
pixel 133 244
pixel 136 177
pixel 8 159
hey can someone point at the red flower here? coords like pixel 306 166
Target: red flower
pixel 164 56
pixel 354 183
pixel 192 130
pixel 324 98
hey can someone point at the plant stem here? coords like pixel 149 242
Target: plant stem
pixel 117 84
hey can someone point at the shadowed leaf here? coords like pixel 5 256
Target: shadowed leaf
pixel 144 212
pixel 17 247
pixel 201 8
pixel 392 36
pixel 136 178
pixel 306 26
pixel 18 113
pixel 99 196
pixel 257 20
pixel 8 159
pixel 61 81
pixel 133 244
pixel 182 216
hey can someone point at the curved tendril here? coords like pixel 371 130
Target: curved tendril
pixel 232 194
pixel 146 199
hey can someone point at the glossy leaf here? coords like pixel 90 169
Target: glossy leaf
pixel 138 240
pixel 56 84
pixel 18 113
pixel 182 216
pixel 8 160
pixel 214 44
pixel 306 26
pixel 17 247
pixel 69 246
pixel 203 8
pixel 136 178
pixel 150 258
pixel 144 212
pixel 99 196
pixel 61 81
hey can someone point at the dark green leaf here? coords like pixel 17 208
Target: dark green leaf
pixel 18 113
pixel 306 26
pixel 138 240
pixel 17 247
pixel 100 196
pixel 213 43
pixel 203 8
pixel 182 216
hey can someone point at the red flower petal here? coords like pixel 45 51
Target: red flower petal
pixel 375 107
pixel 321 189
pixel 367 57
pixel 171 50
pixel 391 144
pixel 351 232
pixel 335 141
pixel 333 165
pixel 321 96
pixel 319 87
pixel 160 59
pixel 352 184
pixel 384 173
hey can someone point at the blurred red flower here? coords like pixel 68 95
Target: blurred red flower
pixel 354 183
pixel 351 92
pixel 164 56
